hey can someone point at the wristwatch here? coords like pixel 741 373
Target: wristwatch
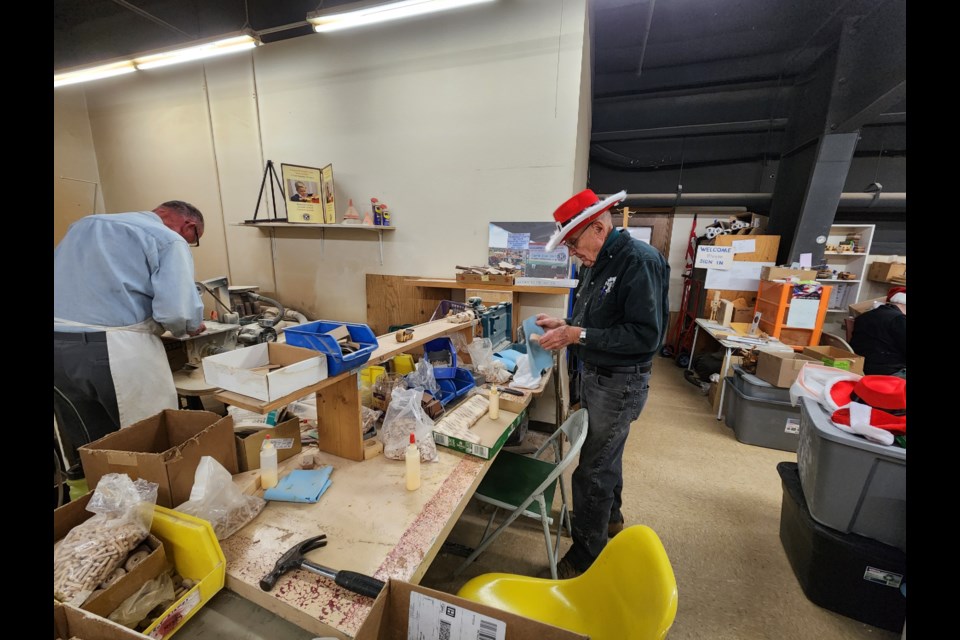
pixel 583 337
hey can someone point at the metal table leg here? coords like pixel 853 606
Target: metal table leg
pixel 723 376
pixel 693 346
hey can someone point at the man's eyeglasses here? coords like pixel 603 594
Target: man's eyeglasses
pixel 196 235
pixel 572 244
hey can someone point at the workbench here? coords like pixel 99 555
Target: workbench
pixel 372 523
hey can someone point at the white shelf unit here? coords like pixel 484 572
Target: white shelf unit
pixel 846 292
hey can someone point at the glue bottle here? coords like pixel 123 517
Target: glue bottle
pixel 412 457
pixel 268 464
pixel 494 403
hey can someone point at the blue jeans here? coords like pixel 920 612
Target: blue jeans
pixel 612 403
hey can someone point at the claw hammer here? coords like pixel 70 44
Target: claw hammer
pixel 294 559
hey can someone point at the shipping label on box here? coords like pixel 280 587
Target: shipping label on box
pixel 265 371
pixel 492 433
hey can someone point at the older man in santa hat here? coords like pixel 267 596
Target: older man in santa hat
pixel 880 336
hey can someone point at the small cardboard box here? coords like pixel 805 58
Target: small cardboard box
pixel 493 433
pixel 104 603
pixel 404 610
pixel 165 448
pixel 743 311
pixel 285 436
pixel 834 357
pixel 782 273
pixel 867 305
pixel 70 622
pixel 242 370
pixel 780 368
pixel 886 271
pixel 476 278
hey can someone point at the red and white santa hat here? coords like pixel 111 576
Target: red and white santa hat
pixel 897 295
pixel 874 407
pixel 579 211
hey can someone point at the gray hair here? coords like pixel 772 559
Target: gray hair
pixel 185 209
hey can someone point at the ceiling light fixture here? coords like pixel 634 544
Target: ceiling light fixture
pixel 376 11
pixel 195 50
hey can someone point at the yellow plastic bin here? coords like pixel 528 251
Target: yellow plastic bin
pixel 370 374
pixel 192 547
pixel 403 364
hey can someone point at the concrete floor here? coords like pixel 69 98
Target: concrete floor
pixel 714 502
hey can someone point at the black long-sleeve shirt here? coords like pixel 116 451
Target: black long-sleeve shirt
pixel 880 336
pixel 622 303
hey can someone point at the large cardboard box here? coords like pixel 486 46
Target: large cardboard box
pixel 245 371
pixel 404 610
pixel 780 368
pixel 70 622
pixel 104 603
pixel 286 439
pixel 165 448
pixel 782 273
pixel 493 433
pixel 886 271
pixel 835 357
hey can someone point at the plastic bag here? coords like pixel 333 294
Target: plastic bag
pixel 406 416
pixel 524 377
pixel 492 369
pixel 93 550
pixel 215 498
pixel 158 591
pixel 423 378
pixel 815 381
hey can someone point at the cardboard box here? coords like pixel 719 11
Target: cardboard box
pixel 886 271
pixel 493 433
pixel 867 305
pixel 241 370
pixel 835 357
pixel 248 444
pixel 780 368
pixel 782 273
pixel 165 448
pixel 476 278
pixel 402 604
pixel 70 622
pixel 104 603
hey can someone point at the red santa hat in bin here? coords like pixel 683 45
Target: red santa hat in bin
pixel 579 211
pixel 897 295
pixel 874 407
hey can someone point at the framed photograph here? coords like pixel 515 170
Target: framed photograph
pixel 326 189
pixel 523 244
pixel 302 187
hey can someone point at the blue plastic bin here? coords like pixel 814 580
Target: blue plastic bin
pixel 315 335
pixel 437 345
pixel 463 381
pixel 446 393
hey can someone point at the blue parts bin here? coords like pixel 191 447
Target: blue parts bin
pixel 315 335
pixel 456 387
pixel 441 349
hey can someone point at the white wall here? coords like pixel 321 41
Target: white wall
pixel 452 120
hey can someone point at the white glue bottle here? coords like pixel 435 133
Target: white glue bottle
pixel 268 464
pixel 494 403
pixel 412 457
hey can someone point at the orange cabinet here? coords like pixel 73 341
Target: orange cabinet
pixel 791 314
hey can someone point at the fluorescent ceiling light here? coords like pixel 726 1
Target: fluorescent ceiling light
pixel 193 51
pixel 93 73
pixel 196 52
pixel 367 13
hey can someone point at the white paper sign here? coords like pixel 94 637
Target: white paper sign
pixel 518 240
pixel 710 257
pixel 742 276
pixel 803 313
pixel 744 246
pixel 434 618
pixel 806 259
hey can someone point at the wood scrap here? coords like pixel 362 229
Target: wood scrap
pixel 457 423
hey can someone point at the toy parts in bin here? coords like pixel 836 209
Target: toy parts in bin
pixel 320 336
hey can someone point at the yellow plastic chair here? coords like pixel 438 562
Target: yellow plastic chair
pixel 629 593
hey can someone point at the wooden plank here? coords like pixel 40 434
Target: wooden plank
pixel 453 284
pixel 339 422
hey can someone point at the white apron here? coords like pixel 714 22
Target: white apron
pixel 139 368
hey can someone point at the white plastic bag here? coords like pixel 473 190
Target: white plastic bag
pixel 422 378
pixel 405 415
pixel 524 377
pixel 215 498
pixel 148 597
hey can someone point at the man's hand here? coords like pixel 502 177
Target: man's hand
pixel 560 337
pixel 548 322
pixel 202 328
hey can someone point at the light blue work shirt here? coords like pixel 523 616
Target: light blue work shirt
pixel 120 269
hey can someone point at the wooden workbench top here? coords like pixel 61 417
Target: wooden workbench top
pixel 373 526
